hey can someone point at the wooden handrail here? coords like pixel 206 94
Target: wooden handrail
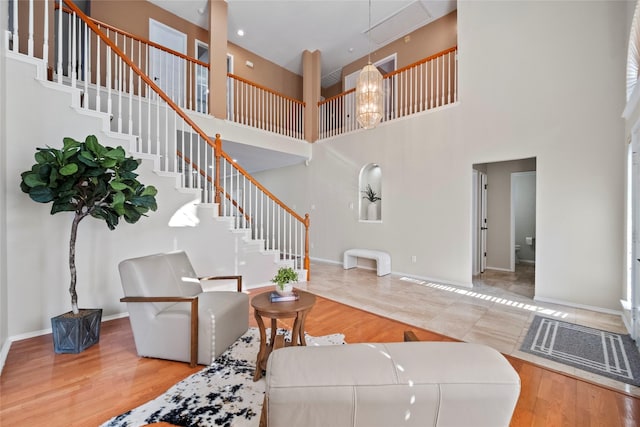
pixel 334 97
pixel 218 190
pixel 422 61
pixel 140 39
pixel 260 186
pixel 266 89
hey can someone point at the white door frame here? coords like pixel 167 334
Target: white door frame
pixel 633 285
pixel 479 222
pixel 483 221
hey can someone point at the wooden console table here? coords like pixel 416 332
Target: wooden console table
pixel 263 307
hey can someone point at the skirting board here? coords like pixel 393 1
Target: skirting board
pixel 397 273
pixel 582 306
pixel 4 352
pixel 6 346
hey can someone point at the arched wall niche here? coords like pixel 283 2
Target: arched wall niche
pixel 370 184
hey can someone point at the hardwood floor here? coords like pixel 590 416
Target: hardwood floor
pixel 40 388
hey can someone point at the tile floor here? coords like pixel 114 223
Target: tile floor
pixel 496 312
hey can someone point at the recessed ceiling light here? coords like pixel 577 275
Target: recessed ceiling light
pixel 240 33
pixel 350 50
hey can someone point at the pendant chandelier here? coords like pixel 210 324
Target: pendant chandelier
pixel 369 91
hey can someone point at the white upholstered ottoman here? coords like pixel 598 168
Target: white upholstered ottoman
pixel 397 384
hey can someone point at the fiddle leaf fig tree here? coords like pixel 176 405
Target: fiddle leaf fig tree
pixel 88 179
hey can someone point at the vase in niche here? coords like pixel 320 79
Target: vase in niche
pixel 372 212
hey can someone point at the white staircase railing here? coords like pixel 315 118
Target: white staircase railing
pixel 109 81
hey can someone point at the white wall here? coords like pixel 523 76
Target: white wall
pixel 37 242
pixel 537 79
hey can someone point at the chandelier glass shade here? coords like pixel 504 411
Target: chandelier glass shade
pixel 369 91
pixel 369 97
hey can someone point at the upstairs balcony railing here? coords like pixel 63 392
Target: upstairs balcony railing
pixel 424 85
pixel 263 108
pixel 106 80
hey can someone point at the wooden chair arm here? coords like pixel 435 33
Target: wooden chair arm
pixel 194 318
pixel 410 336
pixel 236 278
pixel 158 299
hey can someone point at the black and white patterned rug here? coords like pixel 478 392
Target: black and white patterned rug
pixel 222 394
pixel 601 352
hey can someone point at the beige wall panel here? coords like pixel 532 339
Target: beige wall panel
pixel 423 42
pixel 136 20
pixel 266 73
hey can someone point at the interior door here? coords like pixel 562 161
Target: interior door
pixel 168 70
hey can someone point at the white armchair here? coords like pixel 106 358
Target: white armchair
pixel 172 318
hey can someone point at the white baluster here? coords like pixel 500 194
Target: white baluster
pixel 139 98
pixel 443 79
pixel 72 50
pixel 108 83
pixel 59 67
pixel 16 34
pixel 165 154
pixel 157 107
pixel 98 73
pixel 455 75
pixel 45 42
pixel 130 90
pixel 85 65
pixel 30 39
pixel 119 89
pixel 432 91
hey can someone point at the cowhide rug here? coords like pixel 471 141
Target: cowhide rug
pixel 222 394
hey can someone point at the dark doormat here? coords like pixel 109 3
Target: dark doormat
pixel 601 352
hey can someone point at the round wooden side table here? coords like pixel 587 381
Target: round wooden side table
pixel 263 307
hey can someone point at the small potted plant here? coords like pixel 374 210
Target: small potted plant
pixel 284 280
pixel 372 197
pixel 86 179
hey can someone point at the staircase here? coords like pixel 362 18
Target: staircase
pixel 213 199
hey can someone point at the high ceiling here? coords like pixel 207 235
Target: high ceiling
pixel 280 30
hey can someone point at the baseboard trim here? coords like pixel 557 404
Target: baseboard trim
pixel 4 352
pixel 399 273
pixel 575 305
pixel 499 269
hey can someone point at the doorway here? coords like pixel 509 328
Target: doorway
pixel 503 220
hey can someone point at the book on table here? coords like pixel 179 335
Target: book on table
pixel 276 297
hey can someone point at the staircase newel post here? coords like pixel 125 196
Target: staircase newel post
pixel 307 264
pixel 217 150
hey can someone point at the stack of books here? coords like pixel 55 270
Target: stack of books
pixel 276 297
